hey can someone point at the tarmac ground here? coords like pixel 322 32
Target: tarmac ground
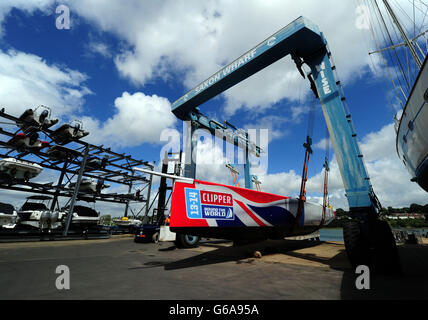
pixel 119 268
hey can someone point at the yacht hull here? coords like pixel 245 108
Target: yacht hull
pixel 213 210
pixel 412 131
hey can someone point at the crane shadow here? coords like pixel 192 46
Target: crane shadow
pixel 411 283
pixel 229 253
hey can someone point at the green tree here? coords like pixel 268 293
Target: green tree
pixel 340 213
pixel 106 220
pixel 416 208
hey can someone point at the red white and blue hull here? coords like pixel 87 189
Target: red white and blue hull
pixel 225 212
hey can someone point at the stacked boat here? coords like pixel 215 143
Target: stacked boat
pixel 35 213
pixel 33 119
pixel 84 217
pixel 68 132
pixel 8 216
pixel 11 168
pixel 127 223
pixel 90 185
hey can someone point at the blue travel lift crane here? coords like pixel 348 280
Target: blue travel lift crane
pixel 368 240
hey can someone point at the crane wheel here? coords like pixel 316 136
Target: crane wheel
pixel 183 241
pixel 356 244
pixel 385 258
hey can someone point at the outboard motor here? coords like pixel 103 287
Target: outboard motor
pixel 44 221
pixel 43 116
pixel 76 129
pixel 100 184
pixel 104 161
pixel 53 221
pixel 34 136
pixel 44 120
pixel 27 116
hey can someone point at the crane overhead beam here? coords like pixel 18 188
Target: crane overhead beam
pixel 300 37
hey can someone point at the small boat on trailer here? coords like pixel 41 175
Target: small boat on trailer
pixel 12 168
pixel 126 222
pixel 90 185
pixel 83 217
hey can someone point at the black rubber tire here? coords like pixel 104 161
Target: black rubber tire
pixel 356 244
pixel 184 241
pixel 155 237
pixel 385 259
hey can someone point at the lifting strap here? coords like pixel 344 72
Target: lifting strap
pixel 257 182
pixel 326 201
pixel 234 174
pixel 302 196
pixel 308 151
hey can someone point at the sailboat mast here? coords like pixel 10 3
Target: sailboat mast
pixel 404 36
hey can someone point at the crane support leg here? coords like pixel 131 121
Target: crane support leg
pixel 191 142
pixel 368 240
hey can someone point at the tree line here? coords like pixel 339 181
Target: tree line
pixel 343 215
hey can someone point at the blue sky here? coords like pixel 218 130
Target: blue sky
pixel 144 49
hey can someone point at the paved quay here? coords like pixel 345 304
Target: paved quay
pixel 118 268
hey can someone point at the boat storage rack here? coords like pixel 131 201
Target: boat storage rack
pixel 76 164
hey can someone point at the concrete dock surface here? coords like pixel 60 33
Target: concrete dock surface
pixel 118 268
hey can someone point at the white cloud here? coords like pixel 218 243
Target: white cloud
pixel 273 123
pixel 276 124
pixel 26 81
pixel 197 38
pixel 100 48
pixel 139 118
pixel 211 163
pixel 379 144
pixel 323 144
pixel 28 6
